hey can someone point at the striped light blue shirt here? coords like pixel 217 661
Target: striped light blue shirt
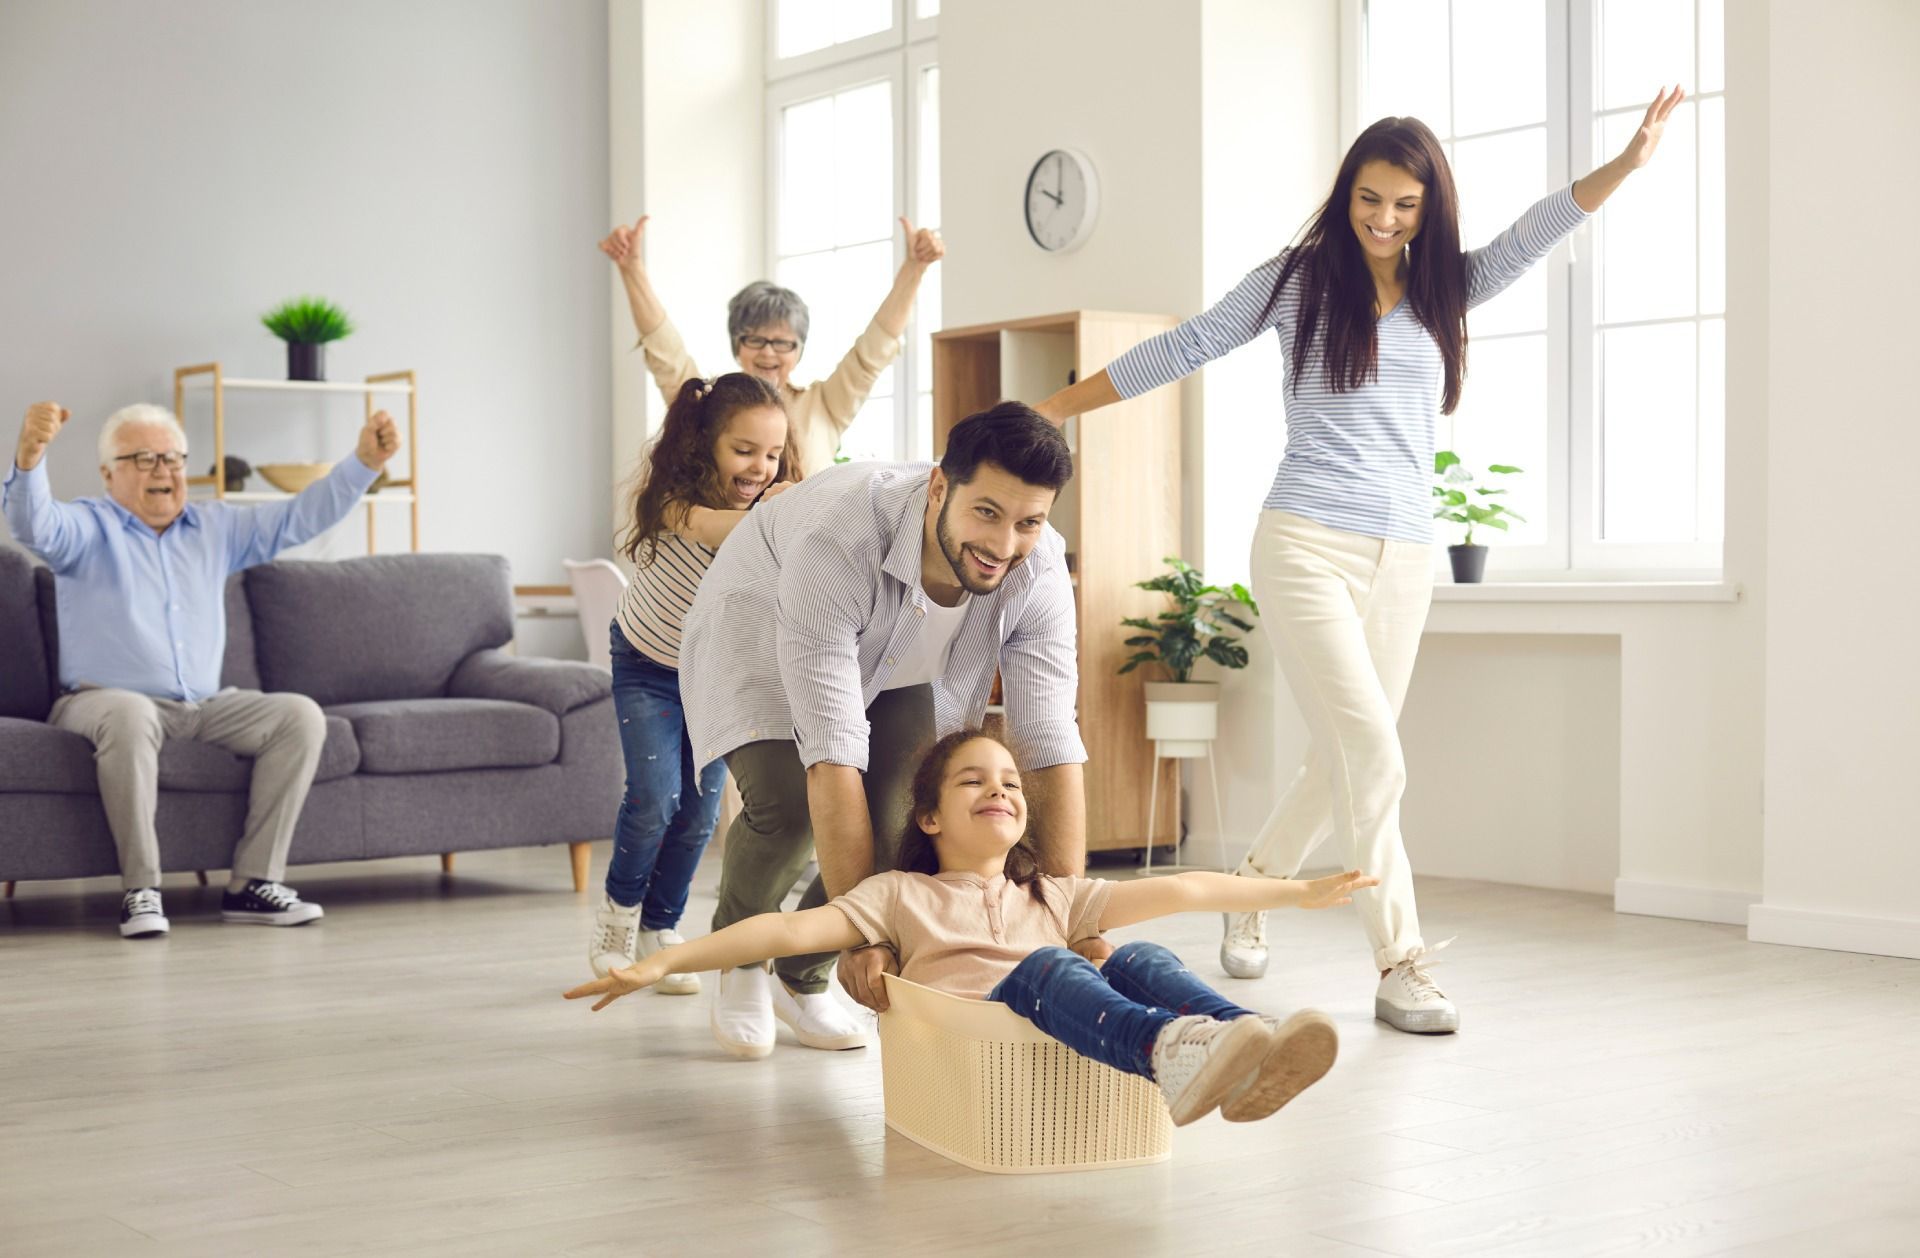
pixel 816 598
pixel 1362 460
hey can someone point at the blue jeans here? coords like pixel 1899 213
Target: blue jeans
pixel 1114 1013
pixel 667 814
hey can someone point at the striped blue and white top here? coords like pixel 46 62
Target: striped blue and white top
pixel 657 600
pixel 1362 460
pixel 816 600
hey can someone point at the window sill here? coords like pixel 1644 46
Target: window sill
pixel 1589 592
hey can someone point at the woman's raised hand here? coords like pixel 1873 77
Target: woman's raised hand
pixel 622 245
pixel 1335 889
pixel 1640 148
pixel 924 246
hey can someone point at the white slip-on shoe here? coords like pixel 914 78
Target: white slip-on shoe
pixel 742 1017
pixel 1199 1062
pixel 1300 1051
pixel 1243 950
pixel 818 1020
pixel 613 945
pixel 1409 1000
pixel 652 941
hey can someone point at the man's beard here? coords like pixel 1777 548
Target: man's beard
pixel 956 559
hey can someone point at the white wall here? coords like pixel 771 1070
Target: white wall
pixel 1842 676
pixel 437 167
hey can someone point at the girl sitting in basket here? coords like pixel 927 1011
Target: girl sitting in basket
pixel 969 913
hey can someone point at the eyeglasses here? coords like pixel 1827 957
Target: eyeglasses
pixel 761 342
pixel 145 459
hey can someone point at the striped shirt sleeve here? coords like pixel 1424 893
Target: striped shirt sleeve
pixel 1492 268
pixel 821 605
pixel 1227 325
pixel 1042 678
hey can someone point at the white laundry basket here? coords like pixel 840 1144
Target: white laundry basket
pixel 976 1082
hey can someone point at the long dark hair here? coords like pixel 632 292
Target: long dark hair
pixel 915 853
pixel 678 471
pixel 1337 294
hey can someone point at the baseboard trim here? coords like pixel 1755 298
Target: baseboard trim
pixel 1689 903
pixel 1835 932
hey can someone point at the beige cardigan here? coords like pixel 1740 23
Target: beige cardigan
pixel 820 412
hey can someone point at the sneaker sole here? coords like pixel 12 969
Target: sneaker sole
pixel 1416 1021
pixel 668 987
pixel 135 930
pixel 1302 1051
pixel 1238 1057
pixel 240 918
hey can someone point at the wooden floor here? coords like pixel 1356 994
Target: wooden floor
pixel 403 1078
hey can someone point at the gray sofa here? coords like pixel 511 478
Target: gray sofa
pixel 438 740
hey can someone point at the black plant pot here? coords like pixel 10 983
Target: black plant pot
pixel 1469 563
pixel 306 361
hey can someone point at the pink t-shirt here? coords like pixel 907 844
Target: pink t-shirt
pixel 961 933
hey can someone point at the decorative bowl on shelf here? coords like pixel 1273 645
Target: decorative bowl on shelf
pixel 293 477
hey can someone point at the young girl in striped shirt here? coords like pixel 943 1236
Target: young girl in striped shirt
pixel 723 447
pixel 968 911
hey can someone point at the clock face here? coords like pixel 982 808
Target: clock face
pixel 1062 199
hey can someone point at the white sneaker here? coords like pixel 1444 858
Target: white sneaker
pixel 141 916
pixel 818 1020
pixel 1300 1051
pixel 1409 999
pixel 1199 1062
pixel 652 941
pixel 742 1017
pixel 1243 952
pixel 614 941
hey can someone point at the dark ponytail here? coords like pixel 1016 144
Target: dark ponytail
pixel 678 471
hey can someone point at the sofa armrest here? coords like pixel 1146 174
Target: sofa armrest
pixel 559 686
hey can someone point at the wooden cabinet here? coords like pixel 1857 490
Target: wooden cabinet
pixel 1120 518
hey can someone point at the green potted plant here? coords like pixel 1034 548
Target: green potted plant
pixel 1182 713
pixel 1460 501
pixel 306 324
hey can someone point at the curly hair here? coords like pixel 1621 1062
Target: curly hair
pixel 678 471
pixel 914 852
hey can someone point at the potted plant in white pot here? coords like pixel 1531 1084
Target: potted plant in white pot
pixel 306 324
pixel 1183 715
pixel 1463 502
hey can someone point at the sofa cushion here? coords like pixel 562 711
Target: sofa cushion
pixel 35 756
pixel 436 735
pixel 382 627
pixel 238 667
pixel 26 689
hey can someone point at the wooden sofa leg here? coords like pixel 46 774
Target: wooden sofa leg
pixel 201 874
pixel 9 891
pixel 446 862
pixel 582 854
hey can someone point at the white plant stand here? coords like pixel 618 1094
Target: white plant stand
pixel 1183 719
pixel 1183 749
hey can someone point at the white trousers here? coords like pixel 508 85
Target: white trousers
pixel 1344 614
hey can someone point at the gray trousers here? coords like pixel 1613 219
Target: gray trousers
pixel 768 842
pixel 282 732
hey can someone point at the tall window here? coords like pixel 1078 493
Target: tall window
pixel 1602 372
pixel 853 135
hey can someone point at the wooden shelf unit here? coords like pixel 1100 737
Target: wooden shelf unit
pixel 207 377
pixel 1120 518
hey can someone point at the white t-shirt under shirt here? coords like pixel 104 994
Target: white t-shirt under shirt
pixel 926 659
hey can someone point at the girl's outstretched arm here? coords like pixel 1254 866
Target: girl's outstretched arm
pixel 1202 892
pixel 759 938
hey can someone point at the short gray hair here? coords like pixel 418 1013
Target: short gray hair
pixel 761 303
pixel 138 413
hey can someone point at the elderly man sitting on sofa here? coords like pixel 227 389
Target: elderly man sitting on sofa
pixel 142 575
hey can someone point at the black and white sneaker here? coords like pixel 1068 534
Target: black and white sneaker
pixel 140 914
pixel 267 904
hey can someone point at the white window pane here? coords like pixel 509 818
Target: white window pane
pixel 1713 205
pixel 1649 463
pixel 927 195
pixel 806 176
pixel 842 289
pixel 863 164
pixel 1502 418
pixel 871 435
pixel 1713 46
pixel 922 447
pixel 1647 238
pixel 1499 64
pixel 926 8
pixel 1498 177
pixel 926 317
pixel 1405 76
pixel 804 26
pixel 1644 45
pixel 855 18
pixel 1713 430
